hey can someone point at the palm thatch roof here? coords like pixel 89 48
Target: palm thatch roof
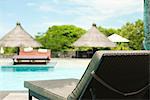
pixel 93 38
pixel 18 37
pixel 117 38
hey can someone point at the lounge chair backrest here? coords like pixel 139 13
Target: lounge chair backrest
pixel 94 63
pixel 115 74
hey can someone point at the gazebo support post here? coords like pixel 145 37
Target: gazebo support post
pixel 94 50
pixel 146 42
pixel 18 50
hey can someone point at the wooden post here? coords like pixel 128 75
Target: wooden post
pixel 18 50
pixel 146 41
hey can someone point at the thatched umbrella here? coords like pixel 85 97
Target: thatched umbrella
pixel 93 38
pixel 18 37
pixel 117 38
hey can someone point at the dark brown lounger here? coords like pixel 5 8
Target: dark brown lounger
pixel 110 75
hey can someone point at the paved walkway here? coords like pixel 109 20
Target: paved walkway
pixel 6 61
pixel 14 95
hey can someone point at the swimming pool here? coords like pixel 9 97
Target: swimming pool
pixel 12 78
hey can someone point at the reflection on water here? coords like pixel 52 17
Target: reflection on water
pixel 28 68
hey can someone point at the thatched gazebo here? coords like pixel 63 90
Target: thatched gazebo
pixel 93 38
pixel 18 37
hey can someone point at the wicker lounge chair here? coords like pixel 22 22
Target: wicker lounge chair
pixel 109 75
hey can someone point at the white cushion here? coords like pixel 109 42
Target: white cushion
pixel 42 50
pixel 29 49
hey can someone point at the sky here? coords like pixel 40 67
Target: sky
pixel 37 15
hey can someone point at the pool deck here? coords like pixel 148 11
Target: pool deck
pixel 23 95
pixel 14 95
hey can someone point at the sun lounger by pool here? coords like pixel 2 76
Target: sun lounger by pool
pixel 110 75
pixel 41 56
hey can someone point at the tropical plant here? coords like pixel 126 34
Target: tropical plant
pixel 60 38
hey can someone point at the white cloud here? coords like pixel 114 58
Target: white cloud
pixel 45 8
pixel 86 12
pixel 31 4
pixel 89 11
pixel 109 6
pixel 99 7
pixel 48 8
pixel 56 1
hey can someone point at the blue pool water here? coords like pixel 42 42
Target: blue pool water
pixel 13 77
